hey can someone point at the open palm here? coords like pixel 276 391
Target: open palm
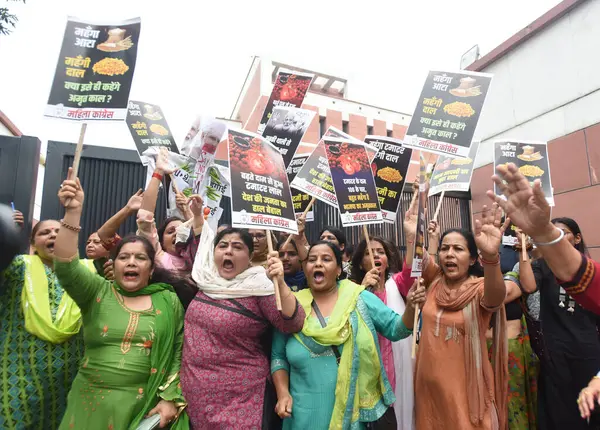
pixel 488 231
pixel 526 206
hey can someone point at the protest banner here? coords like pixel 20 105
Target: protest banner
pixel 148 127
pixel 447 113
pixel 301 200
pixel 94 71
pixel 214 187
pixel 389 167
pixel 289 90
pixel 353 182
pixel 260 191
pixel 453 174
pixel 314 177
pixel 286 128
pixel 531 158
pixel 419 245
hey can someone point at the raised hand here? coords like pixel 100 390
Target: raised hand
pixel 489 231
pixel 417 294
pixel 196 202
pixel 18 218
pixel 526 206
pixel 162 162
pixel 301 225
pixel 275 267
pixel 135 202
pixel 71 192
pixel 410 220
pixel 433 230
pixel 371 279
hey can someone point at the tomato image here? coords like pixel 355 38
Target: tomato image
pixel 374 168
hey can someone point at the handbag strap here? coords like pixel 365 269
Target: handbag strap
pixel 238 310
pixel 335 349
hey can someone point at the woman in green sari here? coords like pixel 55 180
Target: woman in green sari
pixel 316 372
pixel 133 332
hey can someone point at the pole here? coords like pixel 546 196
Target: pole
pixel 523 247
pixel 439 206
pixel 372 257
pixel 416 326
pixel 275 281
pixel 77 157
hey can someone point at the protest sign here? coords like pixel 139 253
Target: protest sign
pixel 300 199
pixel 389 167
pixel 289 90
pixel 453 174
pixel 531 158
pixel 94 71
pixel 509 238
pixel 148 127
pixel 314 177
pixel 353 182
pixel 447 113
pixel 286 128
pixel 212 190
pixel 419 246
pixel 260 192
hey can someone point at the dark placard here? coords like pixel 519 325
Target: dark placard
pixel 453 174
pixel 286 128
pixel 289 90
pixel 260 191
pixel 390 167
pixel 300 199
pixel 353 182
pixel 149 127
pixel 447 113
pixel 531 159
pixel 314 177
pixel 419 250
pixel 94 71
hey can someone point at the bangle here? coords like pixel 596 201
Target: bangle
pixel 553 242
pixel 157 176
pixel 69 226
pixel 490 263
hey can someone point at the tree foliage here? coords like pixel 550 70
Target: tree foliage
pixel 8 20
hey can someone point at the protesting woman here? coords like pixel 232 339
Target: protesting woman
pixel 133 332
pixel 292 266
pixel 225 369
pixel 39 337
pixel 331 375
pixel 455 384
pixel 396 356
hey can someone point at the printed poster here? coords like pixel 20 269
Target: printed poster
pixel 531 159
pixel 509 238
pixel 286 128
pixel 353 182
pixel 300 199
pixel 419 250
pixel 148 127
pixel 453 174
pixel 447 113
pixel 314 177
pixel 214 186
pixel 260 191
pixel 94 71
pixel 289 90
pixel 390 167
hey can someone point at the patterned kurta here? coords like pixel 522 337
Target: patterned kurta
pixel 224 367
pixel 36 375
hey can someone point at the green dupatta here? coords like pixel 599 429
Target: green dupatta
pixel 359 396
pixel 162 354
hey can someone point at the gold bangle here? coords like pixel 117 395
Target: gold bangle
pixel 69 226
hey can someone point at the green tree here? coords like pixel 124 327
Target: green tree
pixel 8 20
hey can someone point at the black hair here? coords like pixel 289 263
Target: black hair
pixel 37 228
pixel 338 233
pixel 358 273
pixel 244 235
pixel 184 288
pixel 334 248
pixel 291 242
pixel 163 227
pixel 475 269
pixel 574 227
pixel 349 250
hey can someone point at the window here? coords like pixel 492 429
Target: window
pixel 322 127
pixel 345 126
pixel 369 130
pixel 389 133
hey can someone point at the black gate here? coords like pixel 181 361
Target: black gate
pixel 109 177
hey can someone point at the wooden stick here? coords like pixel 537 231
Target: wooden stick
pixel 275 281
pixel 372 257
pixel 523 247
pixel 439 206
pixel 77 159
pixel 173 184
pixel 416 326
pixel 310 204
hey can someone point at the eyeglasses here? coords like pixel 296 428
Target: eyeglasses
pixel 259 236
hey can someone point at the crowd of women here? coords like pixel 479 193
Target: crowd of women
pixel 180 324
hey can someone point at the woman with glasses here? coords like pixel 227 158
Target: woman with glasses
pixel 261 248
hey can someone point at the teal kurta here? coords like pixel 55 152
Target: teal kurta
pixel 36 375
pixel 313 374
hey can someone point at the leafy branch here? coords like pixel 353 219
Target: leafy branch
pixel 8 20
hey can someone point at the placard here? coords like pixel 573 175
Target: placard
pixel 314 177
pixel 447 113
pixel 286 128
pixel 94 71
pixel 353 182
pixel 148 127
pixel 531 158
pixel 419 246
pixel 389 167
pixel 260 191
pixel 300 199
pixel 289 90
pixel 453 174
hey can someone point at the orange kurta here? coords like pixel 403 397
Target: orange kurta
pixel 440 374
